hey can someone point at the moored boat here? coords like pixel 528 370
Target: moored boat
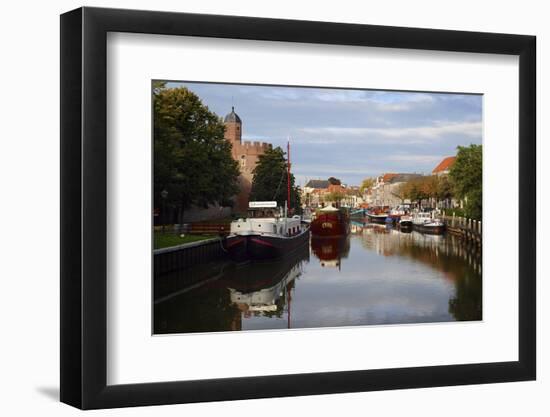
pixel 330 221
pixel 377 216
pixel 265 235
pixel 426 223
pixel 406 222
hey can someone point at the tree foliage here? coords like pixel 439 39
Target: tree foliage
pixel 466 177
pixel 270 180
pixel 334 197
pixel 421 188
pixel 192 160
pixel 366 184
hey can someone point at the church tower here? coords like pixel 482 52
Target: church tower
pixel 233 131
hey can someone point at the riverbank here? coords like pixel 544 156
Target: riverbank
pixel 169 239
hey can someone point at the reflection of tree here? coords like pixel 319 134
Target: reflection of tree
pixel 448 254
pixel 467 303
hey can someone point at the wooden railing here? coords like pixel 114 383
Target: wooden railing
pixel 468 229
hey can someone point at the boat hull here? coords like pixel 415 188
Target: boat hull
pixel 329 225
pixel 432 230
pixel 257 247
pixel 377 218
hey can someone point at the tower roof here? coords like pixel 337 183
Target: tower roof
pixel 232 117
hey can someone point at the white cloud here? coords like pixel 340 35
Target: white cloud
pixel 418 134
pixel 414 158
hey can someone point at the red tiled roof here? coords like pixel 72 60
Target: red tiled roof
pixel 387 177
pixel 445 165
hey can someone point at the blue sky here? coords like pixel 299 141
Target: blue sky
pixel 350 134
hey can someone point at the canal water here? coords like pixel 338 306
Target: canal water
pixel 375 275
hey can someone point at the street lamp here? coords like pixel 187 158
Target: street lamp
pixel 163 195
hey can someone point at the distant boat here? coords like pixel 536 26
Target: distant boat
pixel 425 223
pixel 396 213
pixel 330 221
pixel 406 222
pixel 377 216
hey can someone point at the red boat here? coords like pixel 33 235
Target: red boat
pixel 330 221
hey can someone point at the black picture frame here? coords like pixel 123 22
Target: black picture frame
pixel 84 207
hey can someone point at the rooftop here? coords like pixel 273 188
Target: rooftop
pixel 317 184
pixel 445 165
pixel 232 117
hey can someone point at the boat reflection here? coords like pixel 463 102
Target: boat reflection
pixel 265 288
pixel 330 250
pixel 221 302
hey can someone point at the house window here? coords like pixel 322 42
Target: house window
pixel 243 160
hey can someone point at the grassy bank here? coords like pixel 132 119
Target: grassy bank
pixel 169 239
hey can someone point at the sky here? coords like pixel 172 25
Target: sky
pixel 350 134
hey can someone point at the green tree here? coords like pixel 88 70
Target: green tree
pixel 366 184
pixel 192 160
pixel 415 190
pixel 466 177
pixel 444 188
pixel 270 180
pixel 334 197
pixel 421 188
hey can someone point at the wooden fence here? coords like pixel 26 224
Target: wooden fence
pixel 467 229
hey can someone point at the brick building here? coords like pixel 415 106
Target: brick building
pixel 246 154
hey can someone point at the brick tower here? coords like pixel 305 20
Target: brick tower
pixel 246 154
pixel 233 131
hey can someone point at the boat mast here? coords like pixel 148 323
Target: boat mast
pixel 288 175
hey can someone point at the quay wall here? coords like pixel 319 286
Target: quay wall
pixel 185 256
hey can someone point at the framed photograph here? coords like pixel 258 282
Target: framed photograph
pixel 257 208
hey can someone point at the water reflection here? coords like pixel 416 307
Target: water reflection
pixel 330 250
pixel 375 275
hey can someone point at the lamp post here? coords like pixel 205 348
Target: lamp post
pixel 163 195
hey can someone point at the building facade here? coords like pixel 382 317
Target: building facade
pixel 246 154
pixel 386 190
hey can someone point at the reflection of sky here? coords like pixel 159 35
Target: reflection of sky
pixel 351 134
pixel 369 289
